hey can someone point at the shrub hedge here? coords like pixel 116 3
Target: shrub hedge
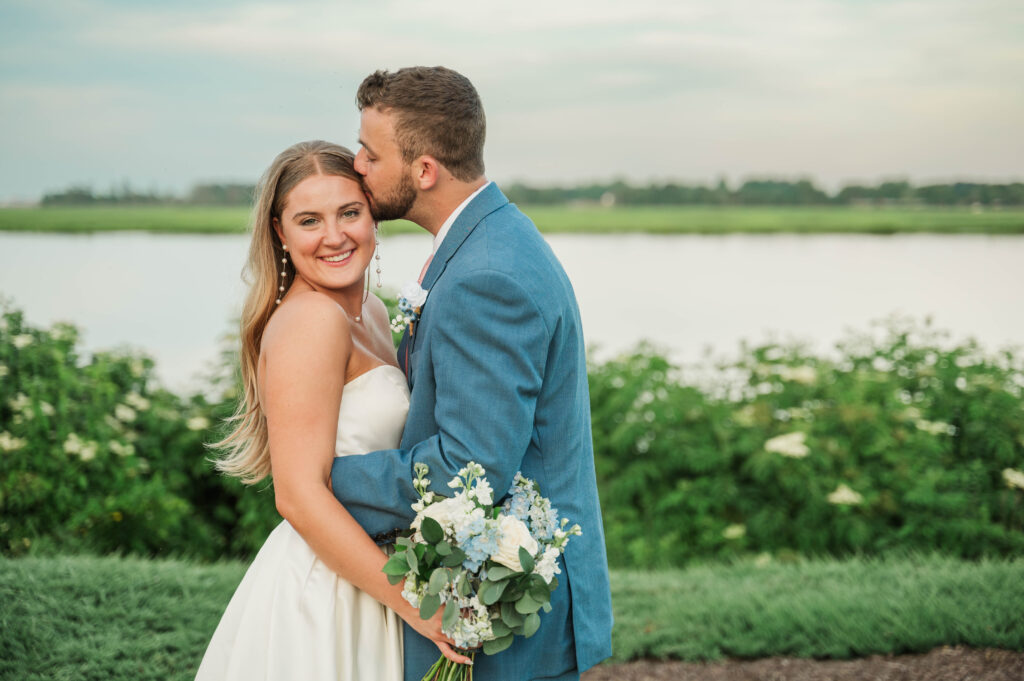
pixel 899 440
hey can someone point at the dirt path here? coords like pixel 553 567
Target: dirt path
pixel 941 664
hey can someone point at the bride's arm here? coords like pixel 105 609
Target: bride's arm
pixel 305 353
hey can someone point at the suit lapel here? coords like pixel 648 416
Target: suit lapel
pixel 485 203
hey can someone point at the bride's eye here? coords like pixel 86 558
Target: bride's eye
pixel 308 221
pixel 351 213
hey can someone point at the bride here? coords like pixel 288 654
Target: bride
pixel 320 380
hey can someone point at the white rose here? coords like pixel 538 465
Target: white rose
pixel 444 512
pixel 514 535
pixel 414 293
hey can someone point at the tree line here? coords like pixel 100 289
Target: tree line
pixel 755 192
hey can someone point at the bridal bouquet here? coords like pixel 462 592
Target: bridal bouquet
pixel 491 567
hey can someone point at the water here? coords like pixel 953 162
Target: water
pixel 174 296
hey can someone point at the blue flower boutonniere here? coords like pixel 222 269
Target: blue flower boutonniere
pixel 410 303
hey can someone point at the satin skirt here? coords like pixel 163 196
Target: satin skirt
pixel 293 618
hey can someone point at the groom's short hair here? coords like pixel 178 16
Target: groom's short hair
pixel 437 112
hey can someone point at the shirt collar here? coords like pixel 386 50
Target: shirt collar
pixel 447 225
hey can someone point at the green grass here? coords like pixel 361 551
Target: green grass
pixel 86 618
pixel 564 219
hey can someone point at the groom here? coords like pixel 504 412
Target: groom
pixel 495 362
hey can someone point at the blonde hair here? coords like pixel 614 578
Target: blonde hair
pixel 246 450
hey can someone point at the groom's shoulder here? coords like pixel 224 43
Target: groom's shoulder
pixel 507 240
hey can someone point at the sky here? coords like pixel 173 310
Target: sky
pixel 167 94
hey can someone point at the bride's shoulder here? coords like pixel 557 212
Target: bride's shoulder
pixel 310 317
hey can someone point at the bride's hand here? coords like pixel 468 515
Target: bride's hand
pixel 432 629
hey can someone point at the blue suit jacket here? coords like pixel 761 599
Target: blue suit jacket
pixel 498 375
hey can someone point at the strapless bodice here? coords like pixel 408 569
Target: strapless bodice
pixel 373 410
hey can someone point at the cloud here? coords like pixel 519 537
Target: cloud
pixel 573 89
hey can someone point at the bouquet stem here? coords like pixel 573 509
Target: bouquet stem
pixel 446 670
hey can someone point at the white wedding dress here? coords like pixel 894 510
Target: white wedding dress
pixel 292 618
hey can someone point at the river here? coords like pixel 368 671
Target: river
pixel 174 296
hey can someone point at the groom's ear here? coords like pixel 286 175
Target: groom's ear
pixel 426 171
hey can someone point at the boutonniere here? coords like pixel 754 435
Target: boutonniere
pixel 410 303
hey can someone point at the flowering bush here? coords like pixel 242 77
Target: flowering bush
pixel 95 456
pixel 900 440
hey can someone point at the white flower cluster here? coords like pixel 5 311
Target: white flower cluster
pixel 22 406
pixel 474 626
pixel 1013 478
pixel 734 532
pixel 22 340
pixel 121 449
pixel 124 413
pixel 9 443
pixel 792 445
pixel 197 423
pixel 805 375
pixel 85 449
pixel 137 401
pixel 844 496
pixel 4 371
pixel 935 427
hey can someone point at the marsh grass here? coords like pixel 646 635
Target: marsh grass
pixel 560 219
pixel 87 618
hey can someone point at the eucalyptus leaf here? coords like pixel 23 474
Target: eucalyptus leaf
pixel 540 593
pixel 396 565
pixel 499 628
pixel 531 624
pixel 455 558
pixel 495 646
pixel 509 615
pixel 414 563
pixel 451 613
pixel 490 592
pixel 443 548
pixel 526 560
pixel 431 530
pixel 527 605
pixel 438 580
pixel 498 572
pixel 429 605
pixel 395 579
pixel 464 587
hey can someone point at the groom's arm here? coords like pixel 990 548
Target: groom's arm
pixel 489 347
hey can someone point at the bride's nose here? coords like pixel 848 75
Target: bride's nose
pixel 334 234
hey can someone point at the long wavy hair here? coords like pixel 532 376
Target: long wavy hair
pixel 245 452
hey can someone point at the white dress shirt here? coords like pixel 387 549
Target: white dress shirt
pixel 447 224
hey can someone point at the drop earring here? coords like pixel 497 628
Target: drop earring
pixel 284 265
pixel 376 236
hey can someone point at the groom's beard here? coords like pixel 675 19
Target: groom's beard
pixel 395 204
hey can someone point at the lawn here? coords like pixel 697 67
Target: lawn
pixel 562 219
pixel 117 619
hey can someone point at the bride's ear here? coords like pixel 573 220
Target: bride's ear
pixel 276 224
